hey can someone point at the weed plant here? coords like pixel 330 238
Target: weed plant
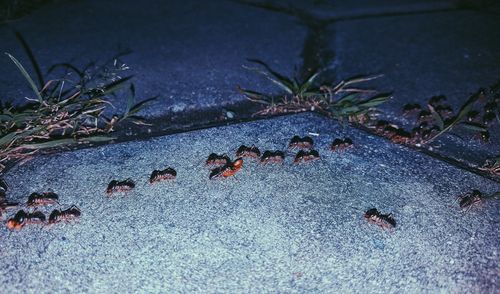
pixel 343 101
pixel 64 112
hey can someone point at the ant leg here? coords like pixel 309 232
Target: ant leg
pixel 468 208
pixel 73 207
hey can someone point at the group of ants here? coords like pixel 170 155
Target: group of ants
pixel 222 167
pixel 35 200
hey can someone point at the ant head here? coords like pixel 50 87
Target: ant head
pixel 13 224
pixel 238 162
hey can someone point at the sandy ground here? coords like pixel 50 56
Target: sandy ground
pixel 269 229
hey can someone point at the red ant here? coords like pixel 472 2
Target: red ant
pixel 305 156
pixel 400 137
pixel 64 215
pixel 218 160
pixel 120 186
pixel 386 221
pixel 160 175
pixel 272 157
pixel 227 170
pixel 22 218
pixel 341 145
pixel 301 143
pixel 46 198
pixel 245 151
pixel 470 199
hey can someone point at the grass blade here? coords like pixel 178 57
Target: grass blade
pixel 359 79
pixel 7 138
pixel 284 80
pixel 437 117
pixel 375 101
pixel 140 105
pixel 26 76
pixel 5 117
pixel 348 99
pixel 31 56
pixel 474 126
pixel 49 144
pixel 253 95
pixel 130 99
pixel 468 106
pixel 308 83
pixel 96 139
pixel 285 86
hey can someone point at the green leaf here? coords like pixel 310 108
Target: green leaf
pixel 96 139
pixel 308 83
pixel 288 87
pixel 5 117
pixel 279 79
pixel 348 98
pixel 375 101
pixel 131 99
pixel 49 144
pixel 7 138
pixel 140 105
pixel 93 102
pixel 350 109
pixel 32 58
pixel 437 117
pixel 467 106
pixel 474 126
pixel 26 76
pixel 360 79
pixel 23 117
pixel 138 120
pixel 295 86
pixel 253 95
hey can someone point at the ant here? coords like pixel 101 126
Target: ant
pixel 386 221
pixel 218 160
pixel 228 170
pixel 341 145
pixel 160 175
pixel 245 151
pixel 272 157
pixel 305 156
pixel 64 215
pixel 22 218
pixel 120 186
pixel 46 198
pixel 301 143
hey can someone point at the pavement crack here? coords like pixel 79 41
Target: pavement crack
pixel 315 55
pixel 449 160
pixel 384 14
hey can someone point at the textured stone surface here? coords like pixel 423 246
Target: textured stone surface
pixel 452 54
pixel 190 53
pixel 276 228
pixel 361 8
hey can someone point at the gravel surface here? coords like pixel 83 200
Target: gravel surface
pixel 269 229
